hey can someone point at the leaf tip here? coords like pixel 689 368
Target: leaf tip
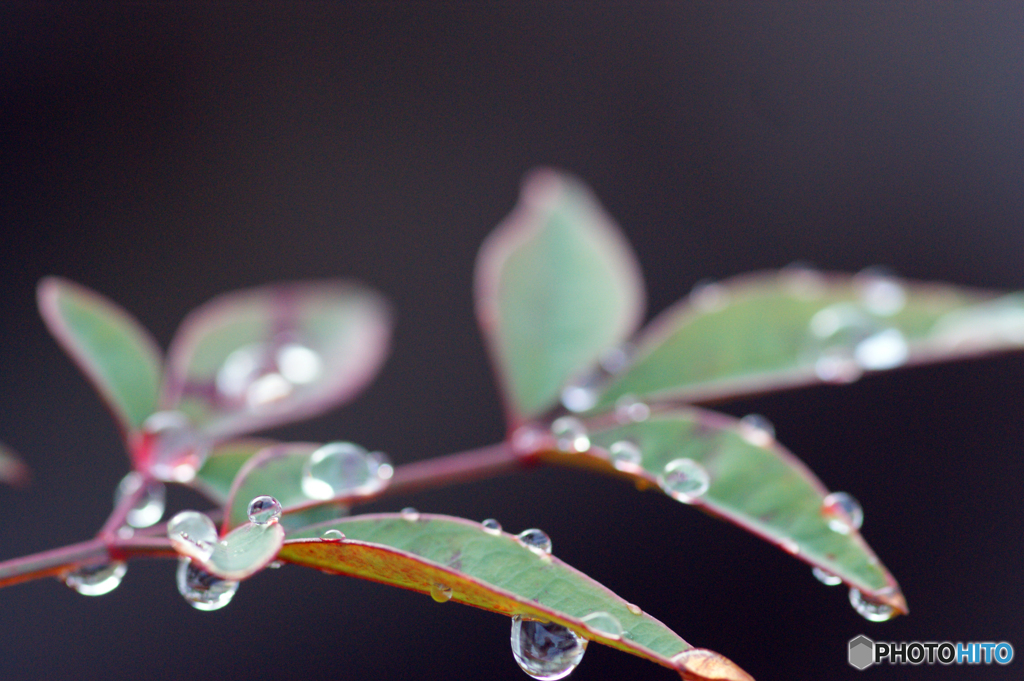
pixel 698 664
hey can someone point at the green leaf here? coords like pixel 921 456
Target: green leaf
pixel 214 479
pixel 490 570
pixel 556 285
pixel 751 481
pixel 245 551
pixel 252 359
pixel 118 356
pixel 768 331
pixel 279 472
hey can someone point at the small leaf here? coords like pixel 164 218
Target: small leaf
pixel 252 359
pixel 118 356
pixel 245 551
pixel 493 571
pixel 214 479
pixel 768 331
pixel 741 474
pixel 283 472
pixel 556 285
pixel 13 470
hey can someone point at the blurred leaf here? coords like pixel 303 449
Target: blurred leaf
pixel 738 472
pixel 118 356
pixel 252 359
pixel 283 472
pixel 493 571
pixel 768 331
pixel 214 479
pixel 556 285
pixel 13 470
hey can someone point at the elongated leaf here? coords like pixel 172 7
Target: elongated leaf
pixel 493 571
pixel 13 470
pixel 214 479
pixel 768 331
pixel 556 285
pixel 253 359
pixel 737 472
pixel 118 356
pixel 346 474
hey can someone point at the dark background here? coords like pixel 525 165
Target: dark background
pixel 164 153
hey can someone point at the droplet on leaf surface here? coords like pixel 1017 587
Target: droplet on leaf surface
pixel 97 580
pixel 491 526
pixel 628 409
pixel 825 577
pixel 757 430
pixel 571 434
pixel 202 590
pixel 625 455
pixel 193 534
pixel 149 507
pixel 544 650
pixel 259 374
pixel 603 623
pixel 870 610
pixel 843 513
pixel 684 480
pixel 332 535
pixel 343 468
pixel 410 514
pixel 442 593
pixel 264 510
pixel 536 540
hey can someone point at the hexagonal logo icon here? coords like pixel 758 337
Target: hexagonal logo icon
pixel 862 652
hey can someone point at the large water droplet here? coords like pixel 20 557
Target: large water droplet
pixel 825 577
pixel 192 533
pixel 603 623
pixel 149 507
pixel 628 409
pixel 545 650
pixel 172 449
pixel 625 455
pixel 571 434
pixel 264 510
pixel 491 526
pixel 96 580
pixel 536 540
pixel 757 430
pixel 202 590
pixel 343 468
pixel 442 593
pixel 684 480
pixel 843 513
pixel 886 349
pixel 870 610
pixel 880 292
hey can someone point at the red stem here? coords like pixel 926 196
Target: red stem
pixel 473 464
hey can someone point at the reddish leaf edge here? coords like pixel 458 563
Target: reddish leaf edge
pixel 693 664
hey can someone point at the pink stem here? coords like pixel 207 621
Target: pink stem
pixel 474 464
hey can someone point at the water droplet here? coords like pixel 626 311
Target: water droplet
pixel 545 650
pixel 343 468
pixel 275 564
pixel 757 430
pixel 708 296
pixel 264 510
pixel 870 610
pixel 825 577
pixel 536 540
pixel 202 590
pixel 491 526
pixel 527 439
pixel 837 366
pixel 259 374
pixel 684 480
pixel 790 546
pixel 170 447
pixel 149 507
pixel 442 593
pixel 298 364
pixel 333 535
pixel 843 513
pixel 571 434
pixel 628 409
pixel 886 349
pixel 625 455
pixel 410 514
pixel 634 609
pixel 581 394
pixel 603 623
pixel 880 291
pixel 192 533
pixel 836 332
pixel 615 360
pixel 96 580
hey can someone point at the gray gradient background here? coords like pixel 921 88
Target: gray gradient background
pixel 165 153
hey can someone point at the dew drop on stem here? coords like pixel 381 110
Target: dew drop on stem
pixel 149 507
pixel 545 650
pixel 96 580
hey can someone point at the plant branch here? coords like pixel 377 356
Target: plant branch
pixel 56 562
pixel 451 469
